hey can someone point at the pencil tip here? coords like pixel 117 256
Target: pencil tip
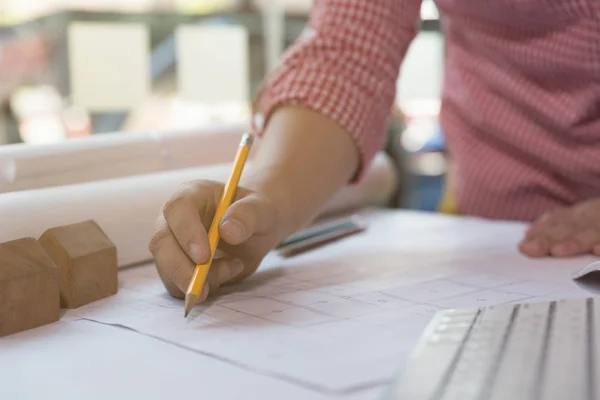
pixel 189 303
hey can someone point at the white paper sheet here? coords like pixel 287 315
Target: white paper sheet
pixel 86 360
pixel 588 278
pixel 589 269
pixel 343 318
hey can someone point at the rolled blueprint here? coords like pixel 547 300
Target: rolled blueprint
pixel 126 208
pixel 114 155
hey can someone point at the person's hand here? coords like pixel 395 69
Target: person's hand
pixel 248 231
pixel 566 232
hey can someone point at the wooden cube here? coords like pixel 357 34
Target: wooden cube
pixel 86 261
pixel 29 293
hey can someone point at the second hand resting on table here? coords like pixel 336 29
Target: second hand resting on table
pixel 566 232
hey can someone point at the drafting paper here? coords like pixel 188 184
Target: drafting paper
pixel 87 360
pixel 344 318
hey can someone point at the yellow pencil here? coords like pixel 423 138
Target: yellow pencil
pixel 201 271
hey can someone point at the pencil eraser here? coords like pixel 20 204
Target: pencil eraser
pixel 29 292
pixel 86 260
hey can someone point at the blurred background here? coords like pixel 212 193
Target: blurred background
pixel 76 68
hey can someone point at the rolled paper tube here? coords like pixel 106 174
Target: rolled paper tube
pixel 114 155
pixel 126 208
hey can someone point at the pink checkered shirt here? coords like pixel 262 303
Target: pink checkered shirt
pixel 521 95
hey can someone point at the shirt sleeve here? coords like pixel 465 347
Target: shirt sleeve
pixel 345 65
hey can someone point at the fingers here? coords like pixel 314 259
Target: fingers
pixel 543 243
pixel 252 214
pixel 190 213
pixel 535 246
pixel 561 234
pixel 173 290
pixel 186 224
pixel 556 227
pixel 221 271
pixel 181 240
pixel 175 269
pixel 549 220
pixel 174 266
pixel 582 242
pixel 548 231
pixel 558 241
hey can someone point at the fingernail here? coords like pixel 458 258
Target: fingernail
pixel 236 268
pixel 233 229
pixel 196 252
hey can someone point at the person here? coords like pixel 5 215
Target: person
pixel 520 112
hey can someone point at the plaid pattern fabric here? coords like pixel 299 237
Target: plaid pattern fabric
pixel 521 96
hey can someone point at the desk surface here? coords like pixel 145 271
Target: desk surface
pixel 424 259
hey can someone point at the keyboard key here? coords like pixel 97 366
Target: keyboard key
pixel 429 364
pixel 480 363
pixel 529 351
pixel 566 364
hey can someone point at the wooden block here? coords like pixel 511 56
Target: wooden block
pixel 86 261
pixel 29 293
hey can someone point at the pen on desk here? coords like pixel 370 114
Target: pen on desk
pixel 201 271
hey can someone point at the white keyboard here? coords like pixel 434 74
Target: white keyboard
pixel 537 351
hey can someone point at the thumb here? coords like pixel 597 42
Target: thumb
pixel 246 217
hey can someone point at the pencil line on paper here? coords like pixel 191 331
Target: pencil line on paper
pixel 286 378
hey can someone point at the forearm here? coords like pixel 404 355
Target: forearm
pixel 303 159
pixel 345 66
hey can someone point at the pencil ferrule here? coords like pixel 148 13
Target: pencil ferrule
pixel 247 139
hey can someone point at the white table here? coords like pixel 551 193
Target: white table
pixel 81 359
